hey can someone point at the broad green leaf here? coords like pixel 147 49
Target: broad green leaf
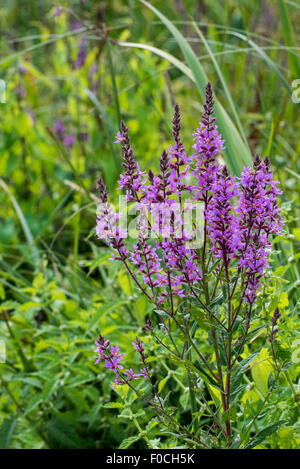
pixel 264 433
pixel 33 404
pixel 62 435
pixel 128 442
pixel 6 432
pixel 283 300
pixel 229 414
pixel 77 398
pixel 261 369
pixel 113 405
pixel 162 383
pixel 124 282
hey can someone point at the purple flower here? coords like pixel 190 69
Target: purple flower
pixel 83 136
pixel 131 375
pixel 132 179
pixel 177 161
pixel 139 347
pixel 94 69
pixel 112 359
pixel 69 141
pixel 21 91
pixel 146 259
pixel 102 347
pixel 59 129
pixel 119 138
pixel 223 228
pixel 113 362
pixel 22 69
pixel 76 26
pixel 57 12
pixel 32 116
pixel 81 56
pixel 107 227
pixel 144 373
pixel 258 217
pixel 114 350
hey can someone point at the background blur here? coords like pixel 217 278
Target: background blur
pixel 73 70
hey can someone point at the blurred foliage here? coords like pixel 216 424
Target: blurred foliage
pixel 58 288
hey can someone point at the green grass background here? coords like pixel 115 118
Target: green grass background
pixel 58 288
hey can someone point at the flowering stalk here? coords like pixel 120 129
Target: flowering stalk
pixel 218 282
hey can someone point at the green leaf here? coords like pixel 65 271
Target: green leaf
pixel 260 371
pixel 264 433
pixel 229 414
pixel 289 38
pixel 108 126
pixel 124 282
pixel 33 404
pixel 217 301
pixel 6 432
pixel 49 388
pixel 77 398
pixel 19 212
pixel 283 300
pixel 62 435
pixel 162 383
pixel 128 442
pixel 238 373
pixel 266 59
pixel 113 405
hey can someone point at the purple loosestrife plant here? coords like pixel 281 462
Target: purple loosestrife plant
pixel 214 283
pixel 81 56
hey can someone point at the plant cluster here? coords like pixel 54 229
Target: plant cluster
pixel 218 281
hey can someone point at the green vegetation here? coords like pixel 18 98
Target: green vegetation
pixel 58 285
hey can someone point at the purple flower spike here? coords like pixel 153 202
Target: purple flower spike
pixel 57 12
pixel 84 136
pixel 222 224
pixel 132 179
pixel 59 129
pixel 69 141
pixel 81 56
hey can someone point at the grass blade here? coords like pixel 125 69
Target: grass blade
pixel 237 153
pixel 289 37
pixel 113 80
pixel 107 126
pixel 19 212
pixel 223 82
pixel 266 58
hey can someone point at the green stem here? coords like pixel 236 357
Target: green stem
pixel 28 366
pixel 142 433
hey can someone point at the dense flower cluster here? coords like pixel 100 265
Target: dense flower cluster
pixel 133 180
pixel 208 145
pixel 112 360
pixel 258 217
pixel 68 140
pixel 222 223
